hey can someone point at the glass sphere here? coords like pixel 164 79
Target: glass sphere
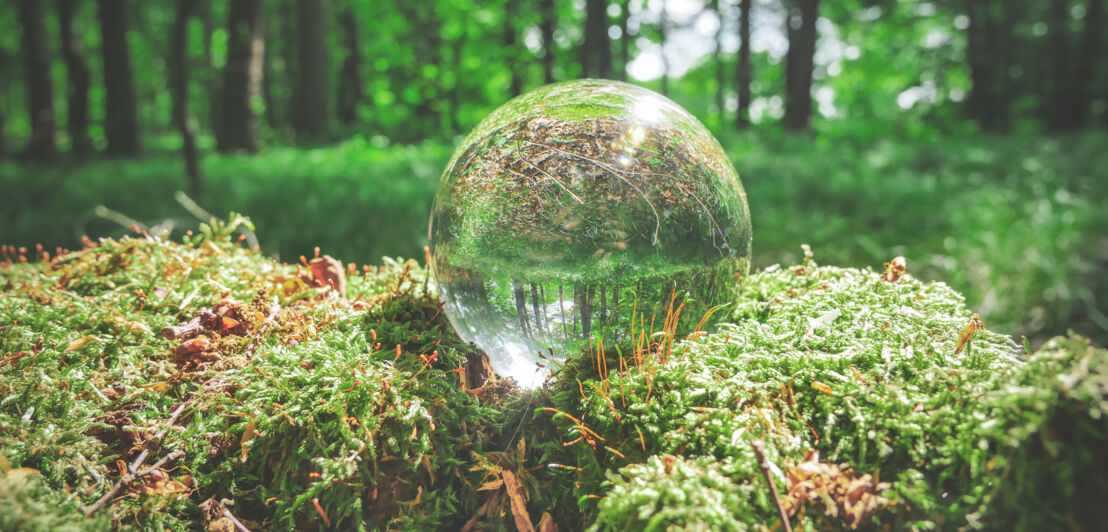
pixel 581 212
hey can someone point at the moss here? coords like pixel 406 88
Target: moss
pixel 317 405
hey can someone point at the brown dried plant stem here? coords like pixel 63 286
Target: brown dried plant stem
pixel 760 452
pixel 134 474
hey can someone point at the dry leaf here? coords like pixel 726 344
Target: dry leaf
pixel 247 435
pixel 519 502
pixel 327 271
pixel 546 523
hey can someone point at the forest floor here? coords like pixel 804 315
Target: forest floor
pixel 1013 223
pixel 191 385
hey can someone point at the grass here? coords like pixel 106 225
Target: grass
pixel 1014 223
pixel 308 411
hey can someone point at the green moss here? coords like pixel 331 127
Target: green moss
pixel 812 358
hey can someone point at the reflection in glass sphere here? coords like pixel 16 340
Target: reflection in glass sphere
pixel 579 212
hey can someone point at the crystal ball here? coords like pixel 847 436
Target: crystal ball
pixel 582 213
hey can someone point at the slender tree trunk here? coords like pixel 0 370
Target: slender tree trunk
pixel 121 107
pixel 211 78
pixel 624 39
pixel 596 54
pixel 988 101
pixel 350 75
pixel 663 22
pixel 267 81
pixel 179 90
pixel 77 73
pixel 1062 115
pixel 40 90
pixel 539 310
pixel 717 56
pixel 1090 55
pixel 521 308
pixel 1074 63
pixel 801 21
pixel 743 72
pixel 456 90
pixel 289 53
pixel 511 54
pixel 311 100
pixel 546 28
pixel 242 76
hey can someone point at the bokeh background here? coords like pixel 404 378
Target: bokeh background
pixel 967 135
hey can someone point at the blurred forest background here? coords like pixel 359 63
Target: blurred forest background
pixel 967 135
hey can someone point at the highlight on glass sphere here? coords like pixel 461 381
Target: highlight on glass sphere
pixel 582 212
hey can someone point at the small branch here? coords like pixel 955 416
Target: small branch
pixel 760 452
pixel 134 474
pixel 158 437
pixel 130 478
pixel 234 520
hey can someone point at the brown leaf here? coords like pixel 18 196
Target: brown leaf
pixel 519 502
pixel 547 524
pixel 247 435
pixel 327 271
pixel 194 346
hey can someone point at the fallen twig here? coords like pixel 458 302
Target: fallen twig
pixel 158 437
pixel 129 479
pixel 234 520
pixel 760 452
pixel 134 473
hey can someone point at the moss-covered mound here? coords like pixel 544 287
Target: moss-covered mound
pixel 222 386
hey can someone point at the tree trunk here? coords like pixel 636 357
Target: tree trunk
pixel 663 21
pixel 1063 92
pixel 717 57
pixel 546 28
pixel 1092 48
pixel 596 54
pixel 624 39
pixel 121 108
pixel 801 21
pixel 267 81
pixel 79 78
pixel 311 99
pixel 511 54
pixel 179 91
pixel 1074 66
pixel 743 72
pixel 350 76
pixel 211 77
pixel 987 101
pixel 40 91
pixel 242 76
